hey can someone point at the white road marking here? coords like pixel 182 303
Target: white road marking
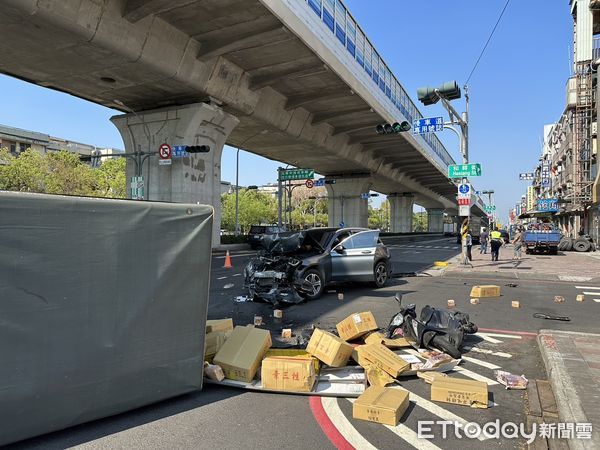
pixel 438 410
pixel 221 278
pixel 237 275
pixel 509 336
pixel 591 293
pixel 587 287
pixel 487 352
pixel 475 376
pixel 405 433
pixel 597 300
pixel 332 409
pixel 488 338
pixel 481 363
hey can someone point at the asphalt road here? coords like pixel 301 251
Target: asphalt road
pixel 230 418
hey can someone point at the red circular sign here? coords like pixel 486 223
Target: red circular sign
pixel 164 151
pixel 309 184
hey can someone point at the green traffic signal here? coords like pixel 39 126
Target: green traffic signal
pixel 393 129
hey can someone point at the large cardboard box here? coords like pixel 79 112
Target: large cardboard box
pixel 378 338
pixel 382 357
pixel 213 342
pixel 485 291
pixel 329 348
pixel 356 325
pixel 292 373
pixel 381 405
pixel 460 392
pixel 293 352
pixel 219 325
pixel 241 354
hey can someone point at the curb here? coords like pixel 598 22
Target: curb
pixel 556 359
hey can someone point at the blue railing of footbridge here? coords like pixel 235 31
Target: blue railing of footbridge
pixel 344 28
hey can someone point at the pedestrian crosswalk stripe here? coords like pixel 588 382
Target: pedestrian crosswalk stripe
pixel 474 375
pixel 487 352
pixel 587 287
pixel 597 300
pixel 487 338
pixel 332 409
pixel 509 336
pixel 481 363
pixel 590 293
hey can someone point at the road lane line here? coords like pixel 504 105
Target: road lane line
pixel 327 426
pixel 221 278
pixel 485 351
pixel 591 293
pixel 479 362
pixel 407 434
pixel 237 275
pixel 485 337
pixel 587 287
pixel 597 300
pixel 475 376
pixel 337 417
pixel 437 410
pixel 510 336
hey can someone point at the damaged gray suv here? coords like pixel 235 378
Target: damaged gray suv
pixel 295 266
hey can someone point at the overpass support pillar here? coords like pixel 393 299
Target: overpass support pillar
pixel 345 204
pixel 401 212
pixel 435 220
pixel 195 178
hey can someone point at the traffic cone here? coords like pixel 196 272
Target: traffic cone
pixel 227 264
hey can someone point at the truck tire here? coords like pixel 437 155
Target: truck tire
pixel 553 251
pixel 566 244
pixel 582 245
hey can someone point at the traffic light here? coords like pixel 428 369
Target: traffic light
pixel 393 129
pixel 197 148
pixel 448 90
pixel 329 181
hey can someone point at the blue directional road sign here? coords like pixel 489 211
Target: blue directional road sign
pixel 320 182
pixel 428 125
pixel 464 189
pixel 179 152
pixel 342 224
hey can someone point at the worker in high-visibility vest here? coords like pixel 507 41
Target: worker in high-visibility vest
pixel 496 243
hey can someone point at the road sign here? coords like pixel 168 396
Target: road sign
pixel 342 224
pixel 464 210
pixel 464 202
pixel 309 184
pixel 137 188
pixel 464 170
pixel 164 154
pixel 464 191
pixel 320 182
pixel 489 208
pixel 428 125
pixel 365 196
pixel 179 151
pixel 296 174
pixel 526 176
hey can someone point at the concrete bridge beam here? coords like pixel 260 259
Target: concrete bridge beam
pixel 192 179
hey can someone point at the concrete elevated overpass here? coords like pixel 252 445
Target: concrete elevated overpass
pixel 292 80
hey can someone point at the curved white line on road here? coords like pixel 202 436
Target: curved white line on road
pixel 337 417
pixel 408 435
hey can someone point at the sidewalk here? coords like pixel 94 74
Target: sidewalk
pixel 566 266
pixel 572 362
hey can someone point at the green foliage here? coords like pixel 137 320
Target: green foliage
pixel 420 223
pixel 61 173
pixel 379 217
pixel 254 208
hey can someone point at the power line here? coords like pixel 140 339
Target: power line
pixel 488 41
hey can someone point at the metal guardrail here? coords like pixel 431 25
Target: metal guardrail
pixel 345 29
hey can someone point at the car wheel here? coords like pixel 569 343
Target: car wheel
pixel 315 280
pixel 380 273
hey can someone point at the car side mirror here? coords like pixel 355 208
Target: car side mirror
pixel 339 249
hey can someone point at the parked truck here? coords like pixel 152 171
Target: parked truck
pixel 541 238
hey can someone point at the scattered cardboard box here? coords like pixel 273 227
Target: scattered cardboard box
pixel 474 301
pixel 277 313
pixel 356 325
pixel 430 377
pixel 580 298
pixel 559 299
pixel 223 325
pixel 291 352
pixel 241 354
pixel 286 333
pixel 292 373
pixel 378 338
pixel 485 291
pixel 515 304
pixel 382 357
pixel 381 405
pixel 451 303
pixel 329 348
pixel 213 342
pixel 460 392
pixel 213 372
pixel 258 321
pixel 340 296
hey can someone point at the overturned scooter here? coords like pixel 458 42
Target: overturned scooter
pixel 435 329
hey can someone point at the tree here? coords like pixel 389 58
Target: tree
pixel 61 173
pixel 254 208
pixel 420 223
pixel 379 217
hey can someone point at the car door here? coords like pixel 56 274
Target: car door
pixel 355 262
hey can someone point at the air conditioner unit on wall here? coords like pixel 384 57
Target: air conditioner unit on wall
pixel 594 128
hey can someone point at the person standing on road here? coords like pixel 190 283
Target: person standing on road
pixel 496 243
pixel 483 241
pixel 518 243
pixel 469 243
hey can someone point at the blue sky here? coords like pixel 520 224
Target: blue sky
pixel 518 87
